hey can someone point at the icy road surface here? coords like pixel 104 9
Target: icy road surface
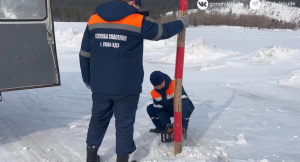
pixel 245 84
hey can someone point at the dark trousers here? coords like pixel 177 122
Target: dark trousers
pixel 156 121
pixel 124 109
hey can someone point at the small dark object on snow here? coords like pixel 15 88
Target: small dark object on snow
pixel 155 130
pixel 168 134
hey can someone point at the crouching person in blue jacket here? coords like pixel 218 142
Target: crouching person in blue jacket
pixel 163 98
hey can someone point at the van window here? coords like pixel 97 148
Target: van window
pixel 23 10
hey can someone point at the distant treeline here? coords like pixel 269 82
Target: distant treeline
pixel 81 10
pixel 230 19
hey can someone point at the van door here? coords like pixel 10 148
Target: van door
pixel 28 57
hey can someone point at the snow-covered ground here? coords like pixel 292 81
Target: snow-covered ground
pixel 245 84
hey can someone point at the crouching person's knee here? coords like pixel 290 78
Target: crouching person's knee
pixel 151 110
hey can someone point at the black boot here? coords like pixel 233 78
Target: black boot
pixel 122 158
pixel 185 125
pixel 155 130
pixel 92 155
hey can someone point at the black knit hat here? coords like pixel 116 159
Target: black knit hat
pixel 156 78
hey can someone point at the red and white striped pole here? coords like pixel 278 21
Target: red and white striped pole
pixel 178 82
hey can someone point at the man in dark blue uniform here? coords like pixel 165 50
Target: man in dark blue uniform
pixel 111 60
pixel 163 103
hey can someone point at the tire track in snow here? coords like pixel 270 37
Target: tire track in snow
pixel 20 132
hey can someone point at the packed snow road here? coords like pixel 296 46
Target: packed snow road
pixel 245 84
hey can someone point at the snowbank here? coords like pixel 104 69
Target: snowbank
pixel 296 77
pixel 160 44
pixel 292 79
pixel 68 38
pixel 198 51
pixel 271 54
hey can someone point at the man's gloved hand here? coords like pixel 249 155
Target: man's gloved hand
pixel 185 20
pixel 88 85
